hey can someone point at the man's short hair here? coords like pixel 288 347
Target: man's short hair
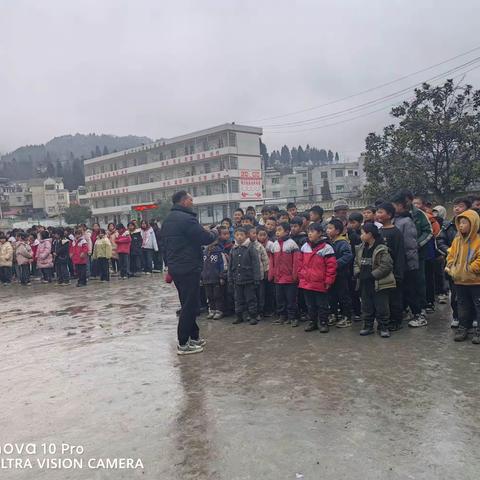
pixel 285 226
pixel 177 197
pixel 291 205
pixel 296 221
pixel 464 200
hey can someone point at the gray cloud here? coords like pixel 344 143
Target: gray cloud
pixel 165 68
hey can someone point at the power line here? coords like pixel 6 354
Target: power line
pixel 399 79
pixel 352 118
pixel 374 101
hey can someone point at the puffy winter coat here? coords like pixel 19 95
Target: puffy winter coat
pixel 343 254
pixel 317 267
pixel 79 251
pixel 23 253
pixel 149 239
pixel 446 236
pixel 215 265
pixel 136 245
pixel 262 257
pixel 6 254
pixel 182 240
pixel 463 259
pixel 284 262
pixel 61 249
pixel 102 248
pixel 244 264
pixel 112 236
pixel 406 225
pixel 44 254
pixel 382 266
pixel 123 242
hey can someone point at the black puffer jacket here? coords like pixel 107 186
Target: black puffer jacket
pixel 446 236
pixel 244 264
pixel 182 239
pixel 136 245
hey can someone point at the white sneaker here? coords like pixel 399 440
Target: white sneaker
pixel 211 314
pixel 418 321
pixel 188 349
pixel 442 298
pixel 201 342
pixel 455 323
pixel 218 315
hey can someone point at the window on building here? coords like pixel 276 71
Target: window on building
pixel 292 181
pixel 61 197
pixel 194 170
pixel 95 204
pixel 275 180
pixel 305 185
pixel 233 163
pixel 356 173
pixel 222 164
pixel 293 193
pixel 210 211
pixel 186 150
pixel 124 163
pixel 276 194
pixel 173 153
pixel 209 189
pixel 350 173
pixel 192 149
pixel 232 139
pixel 135 162
pixel 49 187
pixel 338 173
pixel 102 169
pixel 323 175
pixel 207 168
pixel 234 185
pixel 104 186
pixel 160 156
pixel 220 142
pixel 205 145
pixel 339 188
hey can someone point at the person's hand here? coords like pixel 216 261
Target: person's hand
pixel 222 281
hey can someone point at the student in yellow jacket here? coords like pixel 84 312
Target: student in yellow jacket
pixel 463 265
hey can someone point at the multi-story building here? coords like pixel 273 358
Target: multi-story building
pixel 220 166
pixel 291 186
pixel 39 195
pixel 338 180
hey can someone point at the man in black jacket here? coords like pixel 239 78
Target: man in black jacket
pixel 182 238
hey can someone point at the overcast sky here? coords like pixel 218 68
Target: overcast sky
pixel 164 68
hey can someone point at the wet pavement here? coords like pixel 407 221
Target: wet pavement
pixel 97 367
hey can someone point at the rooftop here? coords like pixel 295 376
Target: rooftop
pixel 181 138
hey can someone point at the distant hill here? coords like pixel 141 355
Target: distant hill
pixel 63 156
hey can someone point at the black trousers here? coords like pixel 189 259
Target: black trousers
pixel 63 275
pixel 286 296
pixel 395 297
pixel 430 281
pixel 147 259
pixel 5 274
pixel 355 296
pixel 103 269
pixel 440 279
pixel 453 298
pixel 317 304
pixel 229 300
pixel 124 264
pixel 135 264
pixel 260 292
pixel 302 303
pixel 411 297
pixel 158 260
pixel 94 268
pixel 269 306
pixel 81 274
pixel 25 274
pixel 339 295
pixel 375 305
pixel 46 274
pixel 215 296
pixel 246 299
pixel 468 305
pixel 188 287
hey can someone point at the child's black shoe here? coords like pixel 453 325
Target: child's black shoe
pixel 311 326
pixel 461 334
pixel 324 328
pixel 238 320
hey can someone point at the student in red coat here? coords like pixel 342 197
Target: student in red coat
pixel 283 271
pixel 79 255
pixel 316 272
pixel 123 241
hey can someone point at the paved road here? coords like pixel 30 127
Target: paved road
pixel 97 367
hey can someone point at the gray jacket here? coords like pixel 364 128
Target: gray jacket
pixel 409 231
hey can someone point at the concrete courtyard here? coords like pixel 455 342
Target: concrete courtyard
pixel 97 368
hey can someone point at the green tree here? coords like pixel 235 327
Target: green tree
pixel 435 147
pixel 285 155
pixel 337 158
pixel 264 153
pixel 76 214
pixel 330 156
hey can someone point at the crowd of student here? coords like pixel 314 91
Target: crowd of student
pixel 59 254
pixel 392 263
